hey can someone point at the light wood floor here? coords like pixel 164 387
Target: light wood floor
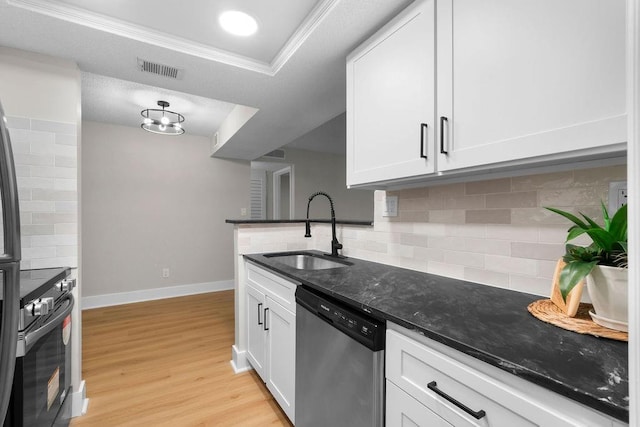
pixel 166 363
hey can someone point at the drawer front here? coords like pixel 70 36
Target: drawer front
pixel 276 287
pixel 405 411
pixel 436 380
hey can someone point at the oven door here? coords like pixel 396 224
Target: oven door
pixel 43 375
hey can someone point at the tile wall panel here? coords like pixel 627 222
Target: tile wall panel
pixel 492 232
pixel 46 158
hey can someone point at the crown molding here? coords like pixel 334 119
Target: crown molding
pixel 308 26
pixel 142 34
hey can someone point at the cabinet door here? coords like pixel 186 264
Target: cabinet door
pixel 529 79
pixel 281 355
pixel 404 411
pixel 391 100
pixel 256 335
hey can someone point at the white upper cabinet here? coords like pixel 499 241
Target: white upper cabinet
pixel 498 83
pixel 521 80
pixel 391 100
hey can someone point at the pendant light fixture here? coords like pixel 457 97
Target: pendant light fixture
pixel 162 121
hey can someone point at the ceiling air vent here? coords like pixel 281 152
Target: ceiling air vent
pixel 160 69
pixel 275 154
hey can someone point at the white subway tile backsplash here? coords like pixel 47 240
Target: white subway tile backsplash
pixel 37 229
pixel 66 139
pixel 15 123
pixel 428 254
pixel 545 269
pixel 50 239
pixel 65 150
pixel 55 127
pixel 44 145
pixel 34 159
pixel 513 242
pixel 35 182
pixel 66 162
pixel 486 277
pixel 66 207
pixel 43 252
pixel 464 258
pixel 542 251
pixel 487 246
pixel 43 171
pixel 532 285
pixel 444 269
pixel 66 229
pixel 506 264
pixel 65 184
pixel 37 206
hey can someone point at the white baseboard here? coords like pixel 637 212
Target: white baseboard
pixel 79 401
pixel 239 361
pixel 107 300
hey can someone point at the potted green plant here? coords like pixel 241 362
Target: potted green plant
pixel 603 264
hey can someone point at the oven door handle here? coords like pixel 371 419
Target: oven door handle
pixel 32 337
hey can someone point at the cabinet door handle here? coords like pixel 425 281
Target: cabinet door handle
pixel 259 310
pixel 423 128
pixel 477 415
pixel 265 319
pixel 443 120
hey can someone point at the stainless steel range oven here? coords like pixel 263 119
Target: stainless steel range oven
pixel 42 379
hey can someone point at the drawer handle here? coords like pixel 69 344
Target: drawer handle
pixel 259 310
pixel 442 121
pixel 423 127
pixel 265 319
pixel 477 415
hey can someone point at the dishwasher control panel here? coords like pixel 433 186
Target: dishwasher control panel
pixel 364 329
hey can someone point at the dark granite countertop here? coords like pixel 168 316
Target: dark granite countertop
pixel 297 221
pixel 488 323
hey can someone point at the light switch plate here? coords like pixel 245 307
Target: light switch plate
pixel 390 206
pixel 617 195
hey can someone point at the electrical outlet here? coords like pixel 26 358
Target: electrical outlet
pixel 390 206
pixel 243 211
pixel 617 195
pixel 166 272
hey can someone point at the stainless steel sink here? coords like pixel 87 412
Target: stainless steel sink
pixel 307 261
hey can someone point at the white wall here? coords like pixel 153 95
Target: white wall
pixel 41 97
pixel 152 202
pixel 326 172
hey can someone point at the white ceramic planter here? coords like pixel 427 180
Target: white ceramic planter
pixel 608 289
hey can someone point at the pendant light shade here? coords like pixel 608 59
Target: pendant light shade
pixel 162 121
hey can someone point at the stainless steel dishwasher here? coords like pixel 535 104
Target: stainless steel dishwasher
pixel 339 364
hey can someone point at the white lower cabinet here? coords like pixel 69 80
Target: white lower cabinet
pixel 271 333
pixel 429 384
pixel 405 411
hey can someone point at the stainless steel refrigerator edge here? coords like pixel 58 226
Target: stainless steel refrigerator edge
pixel 9 265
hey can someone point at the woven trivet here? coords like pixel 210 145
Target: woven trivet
pixel 547 311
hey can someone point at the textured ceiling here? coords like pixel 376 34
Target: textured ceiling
pixel 304 92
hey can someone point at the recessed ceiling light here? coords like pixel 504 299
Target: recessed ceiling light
pixel 238 23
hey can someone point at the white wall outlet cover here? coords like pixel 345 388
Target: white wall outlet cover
pixel 390 206
pixel 243 211
pixel 617 195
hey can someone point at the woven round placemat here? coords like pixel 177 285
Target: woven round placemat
pixel 547 311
